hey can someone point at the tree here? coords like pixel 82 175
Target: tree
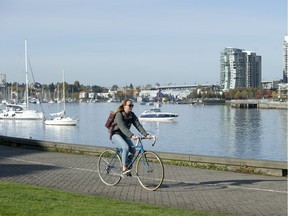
pixel 251 93
pixel 76 86
pixel 274 95
pixel 231 94
pixel 194 93
pixel 114 88
pixel 237 94
pixel 244 94
pixel 51 87
pixel 96 89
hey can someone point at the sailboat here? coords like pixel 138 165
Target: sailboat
pixel 61 119
pixel 19 111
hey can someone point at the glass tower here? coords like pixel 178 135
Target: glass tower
pixel 239 68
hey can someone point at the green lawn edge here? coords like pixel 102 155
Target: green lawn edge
pixel 22 200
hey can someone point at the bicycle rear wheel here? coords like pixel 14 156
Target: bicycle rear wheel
pixel 109 167
pixel 150 171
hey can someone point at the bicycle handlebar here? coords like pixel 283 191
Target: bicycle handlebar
pixel 140 138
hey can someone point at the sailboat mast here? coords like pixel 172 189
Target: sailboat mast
pixel 26 71
pixel 64 93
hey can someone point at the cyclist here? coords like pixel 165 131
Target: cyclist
pixel 122 135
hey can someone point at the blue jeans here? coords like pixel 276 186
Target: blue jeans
pixel 126 145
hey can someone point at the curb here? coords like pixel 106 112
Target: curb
pixel 266 167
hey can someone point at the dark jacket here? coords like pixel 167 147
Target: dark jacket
pixel 123 124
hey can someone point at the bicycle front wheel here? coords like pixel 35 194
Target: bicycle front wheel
pixel 150 171
pixel 109 167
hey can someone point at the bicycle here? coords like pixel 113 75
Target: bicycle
pixel 149 167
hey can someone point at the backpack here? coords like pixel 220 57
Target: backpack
pixel 110 124
pixel 110 120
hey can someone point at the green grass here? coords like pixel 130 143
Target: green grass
pixel 20 199
pixel 197 165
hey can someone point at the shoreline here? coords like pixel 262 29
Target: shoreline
pixel 249 103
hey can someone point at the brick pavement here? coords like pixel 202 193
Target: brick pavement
pixel 183 187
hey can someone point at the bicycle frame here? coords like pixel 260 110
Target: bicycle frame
pixel 138 147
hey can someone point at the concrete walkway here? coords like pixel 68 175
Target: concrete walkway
pixel 183 187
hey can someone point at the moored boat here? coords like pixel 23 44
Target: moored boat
pixel 155 114
pixel 61 119
pixel 19 112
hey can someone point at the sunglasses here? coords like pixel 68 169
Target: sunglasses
pixel 130 105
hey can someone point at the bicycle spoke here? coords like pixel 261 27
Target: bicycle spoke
pixel 150 171
pixel 109 167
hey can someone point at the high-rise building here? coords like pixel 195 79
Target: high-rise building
pixel 253 69
pixel 239 68
pixel 285 59
pixel 2 80
pixel 233 68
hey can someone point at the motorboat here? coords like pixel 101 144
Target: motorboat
pixel 155 114
pixel 20 112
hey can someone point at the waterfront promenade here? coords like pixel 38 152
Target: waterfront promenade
pixel 183 187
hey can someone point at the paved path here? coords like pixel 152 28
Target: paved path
pixel 183 187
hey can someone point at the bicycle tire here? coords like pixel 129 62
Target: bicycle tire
pixel 109 167
pixel 150 171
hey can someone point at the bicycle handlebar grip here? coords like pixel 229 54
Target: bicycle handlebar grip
pixel 154 140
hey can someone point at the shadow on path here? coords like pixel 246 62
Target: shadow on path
pixel 10 170
pixel 218 184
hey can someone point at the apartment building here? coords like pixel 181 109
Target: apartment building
pixel 239 68
pixel 285 59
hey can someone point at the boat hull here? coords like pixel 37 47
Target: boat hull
pixel 62 121
pixel 24 115
pixel 155 114
pixel 162 119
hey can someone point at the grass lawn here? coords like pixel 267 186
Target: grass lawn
pixel 20 199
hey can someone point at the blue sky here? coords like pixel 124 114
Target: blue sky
pixel 141 42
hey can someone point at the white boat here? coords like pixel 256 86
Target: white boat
pixel 61 119
pixel 155 114
pixel 21 112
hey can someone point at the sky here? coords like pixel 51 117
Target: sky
pixel 137 42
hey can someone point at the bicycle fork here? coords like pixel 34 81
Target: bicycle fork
pixel 146 163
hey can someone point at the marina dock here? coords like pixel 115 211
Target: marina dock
pixel 258 104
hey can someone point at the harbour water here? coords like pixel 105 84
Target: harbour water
pixel 199 130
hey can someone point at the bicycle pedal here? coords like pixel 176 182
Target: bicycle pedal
pixel 126 175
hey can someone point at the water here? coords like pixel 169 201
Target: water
pixel 201 130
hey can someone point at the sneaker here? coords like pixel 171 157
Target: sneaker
pixel 127 171
pixel 130 158
pixel 129 174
